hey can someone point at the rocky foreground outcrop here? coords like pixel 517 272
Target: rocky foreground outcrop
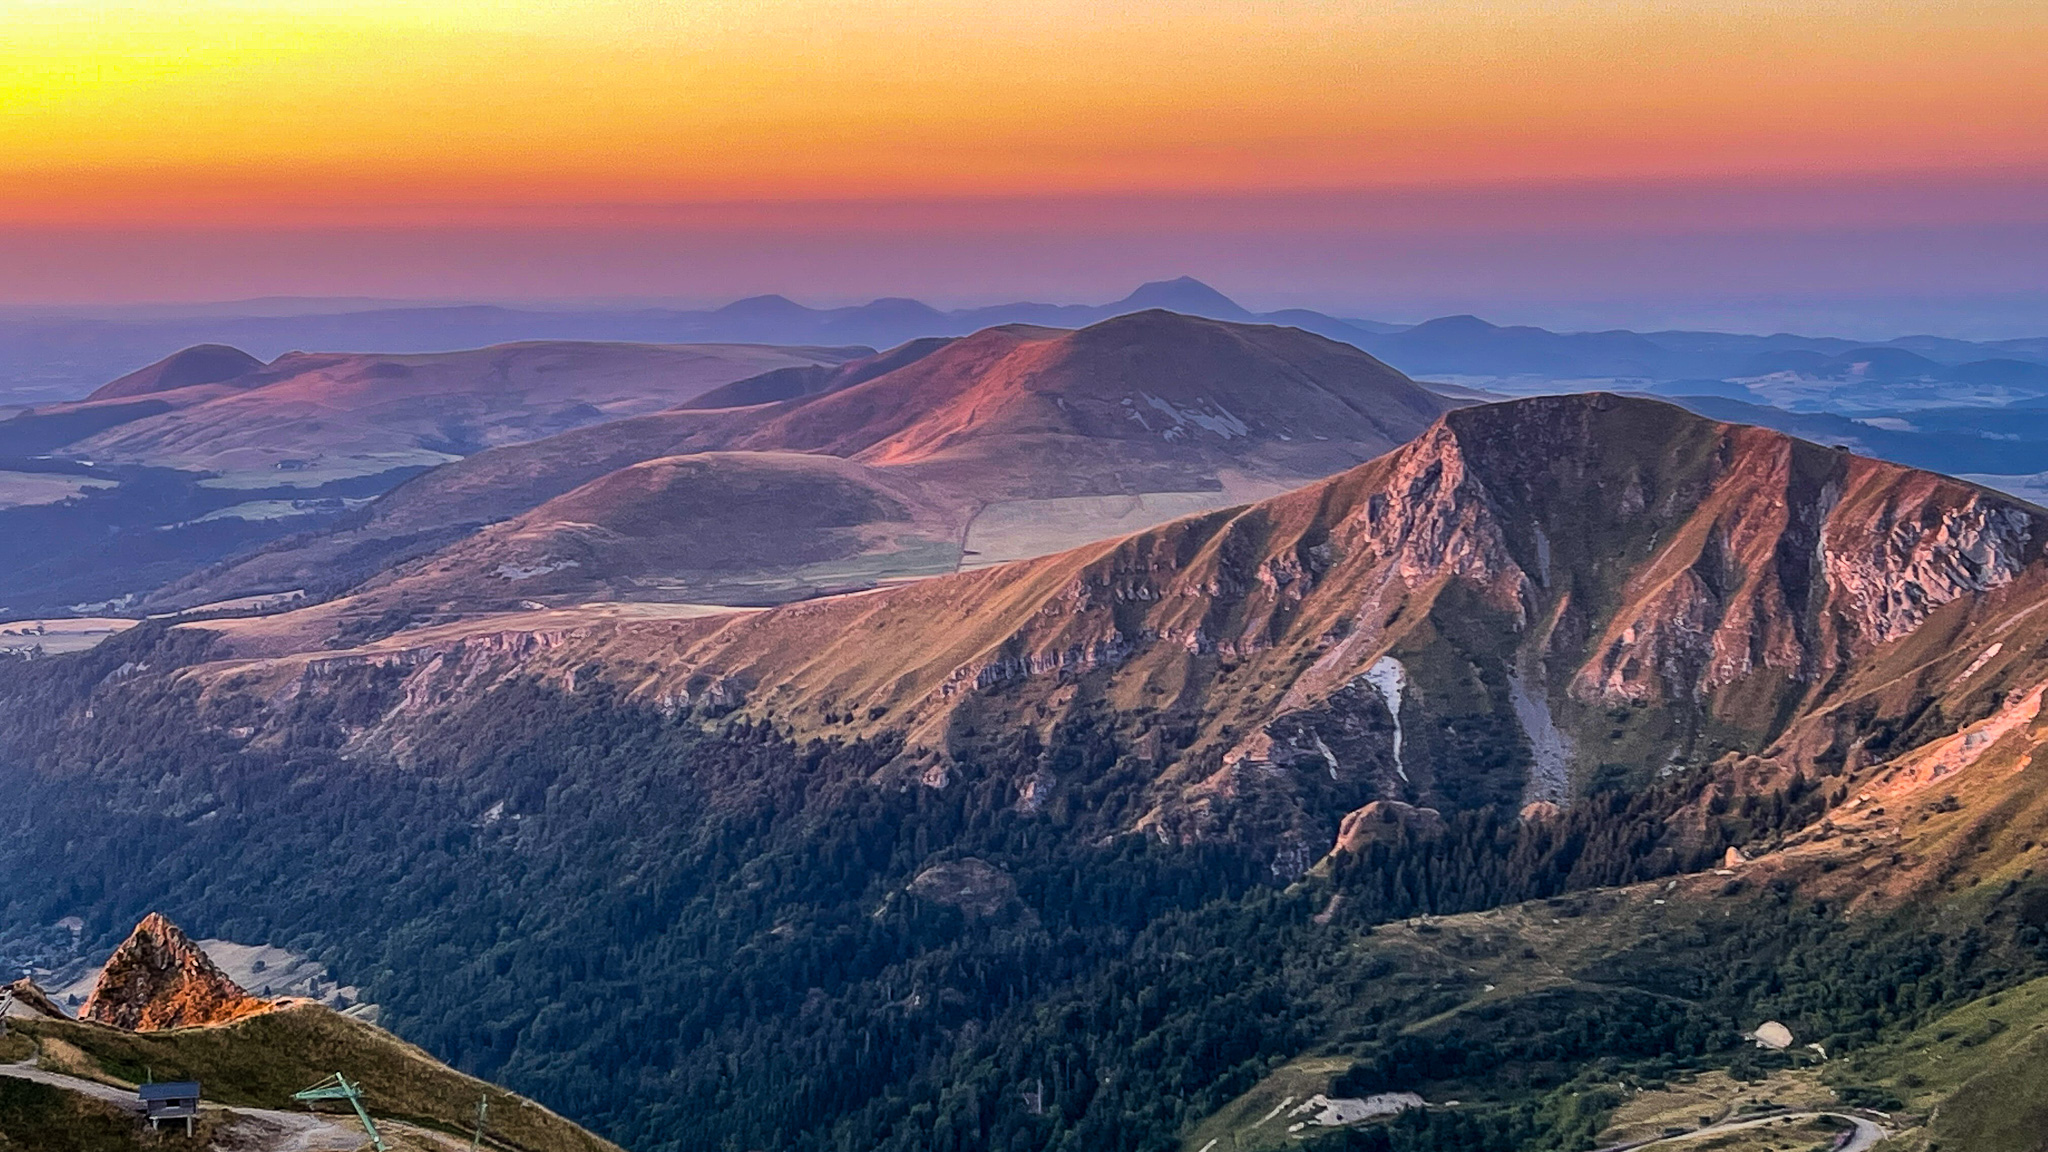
pixel 30 1000
pixel 158 978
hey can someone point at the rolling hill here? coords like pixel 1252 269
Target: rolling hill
pixel 712 527
pixel 1149 390
pixel 1012 429
pixel 332 415
pixel 190 367
pixel 207 454
pixel 779 384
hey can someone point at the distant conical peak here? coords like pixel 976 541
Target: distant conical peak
pixel 158 978
pixel 1463 322
pixel 1184 294
pixel 771 304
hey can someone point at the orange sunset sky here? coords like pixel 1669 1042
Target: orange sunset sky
pixel 498 133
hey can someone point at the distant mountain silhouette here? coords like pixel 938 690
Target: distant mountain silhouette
pixel 53 358
pixel 218 409
pixel 1471 346
pixel 1186 295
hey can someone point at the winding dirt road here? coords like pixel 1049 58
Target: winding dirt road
pixel 250 1129
pixel 1865 1137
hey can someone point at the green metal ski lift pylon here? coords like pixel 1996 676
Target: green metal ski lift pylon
pixel 483 1111
pixel 337 1087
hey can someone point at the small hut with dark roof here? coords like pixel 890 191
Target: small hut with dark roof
pixel 178 1100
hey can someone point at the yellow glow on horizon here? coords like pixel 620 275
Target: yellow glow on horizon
pixel 236 110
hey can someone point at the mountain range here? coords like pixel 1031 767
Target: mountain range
pixel 56 357
pixel 1015 441
pixel 1578 770
pixel 208 455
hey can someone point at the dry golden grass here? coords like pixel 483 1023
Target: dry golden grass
pixel 1792 1134
pixel 259 1061
pixel 1711 1097
pixel 56 1054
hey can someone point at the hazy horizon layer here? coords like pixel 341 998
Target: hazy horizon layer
pixel 1866 168
pixel 1953 255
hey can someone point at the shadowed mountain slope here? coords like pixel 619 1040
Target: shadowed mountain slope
pixel 714 527
pixel 199 364
pixel 778 385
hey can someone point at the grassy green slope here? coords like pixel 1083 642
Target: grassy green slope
pixel 1553 1014
pixel 40 1118
pixel 1979 1073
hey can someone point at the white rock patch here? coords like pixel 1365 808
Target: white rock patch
pixel 1550 773
pixel 1982 659
pixel 1219 421
pixel 1325 1112
pixel 1388 678
pixel 517 572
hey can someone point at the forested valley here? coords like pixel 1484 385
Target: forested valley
pixel 690 932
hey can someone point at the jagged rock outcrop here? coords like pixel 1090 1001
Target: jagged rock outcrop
pixel 1387 821
pixel 31 1000
pixel 158 978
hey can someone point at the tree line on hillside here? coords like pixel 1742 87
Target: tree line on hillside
pixel 708 937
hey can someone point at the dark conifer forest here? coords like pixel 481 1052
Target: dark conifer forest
pixel 692 933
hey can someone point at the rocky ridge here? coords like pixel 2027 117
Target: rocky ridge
pixel 158 978
pixel 1484 617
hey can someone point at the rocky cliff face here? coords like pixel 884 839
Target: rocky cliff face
pixel 1527 594
pixel 159 979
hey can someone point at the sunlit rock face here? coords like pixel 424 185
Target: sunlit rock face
pixel 158 978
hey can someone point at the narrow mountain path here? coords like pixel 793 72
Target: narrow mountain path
pixel 119 1097
pixel 1866 1135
